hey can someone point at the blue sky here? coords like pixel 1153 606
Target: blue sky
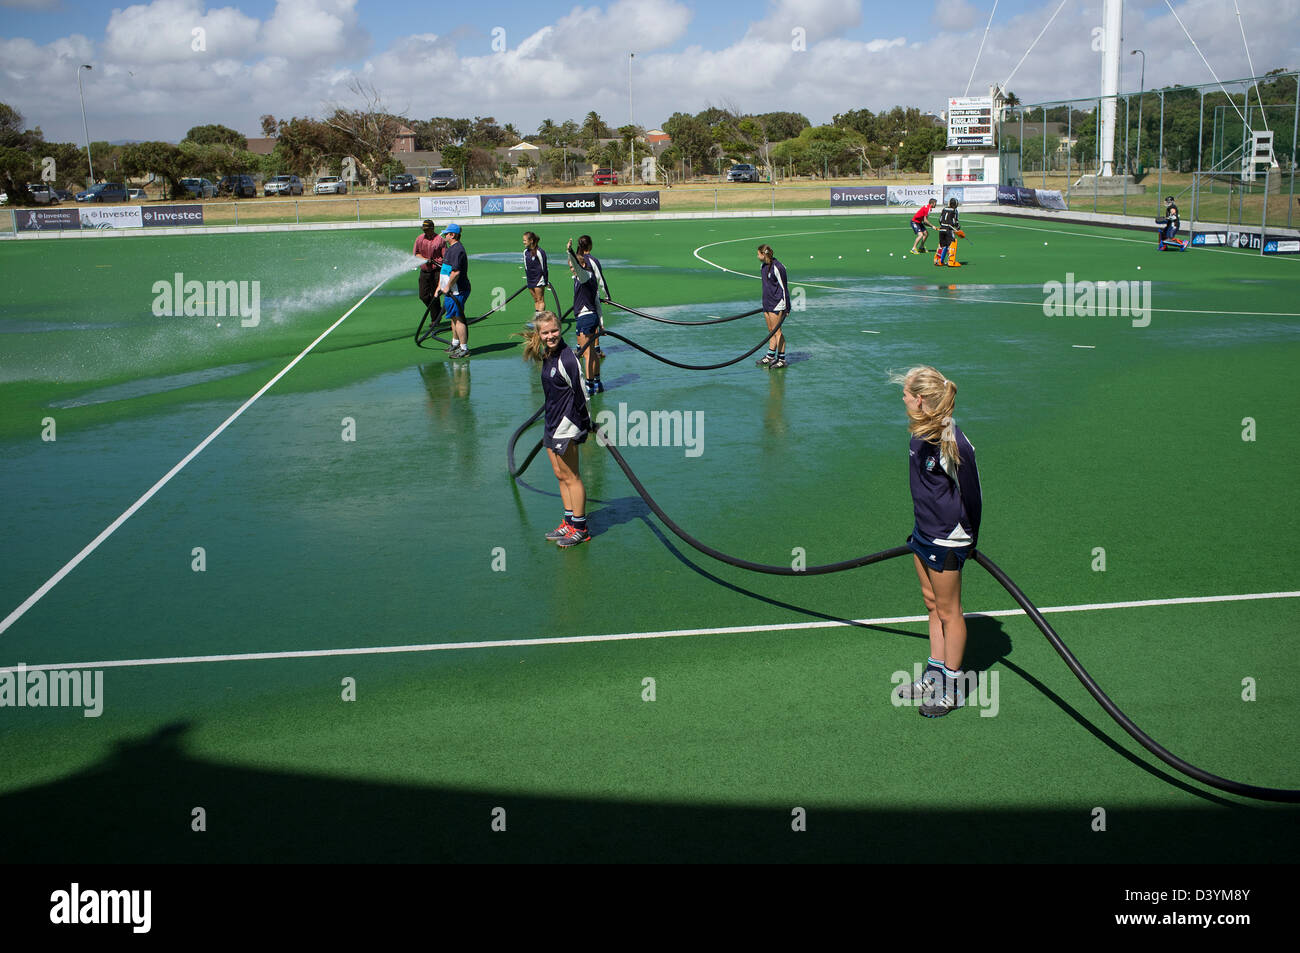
pixel 560 60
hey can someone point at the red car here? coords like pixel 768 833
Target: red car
pixel 604 177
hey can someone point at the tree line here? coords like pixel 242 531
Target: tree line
pixel 856 141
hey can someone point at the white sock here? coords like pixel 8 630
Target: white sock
pixel 455 342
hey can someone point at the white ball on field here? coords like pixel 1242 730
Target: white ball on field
pixel 1139 267
pixel 839 256
pixel 218 324
pixel 1044 243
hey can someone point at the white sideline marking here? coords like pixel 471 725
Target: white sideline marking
pixel 870 332
pixel 964 300
pixel 1090 347
pixel 629 636
pixel 112 527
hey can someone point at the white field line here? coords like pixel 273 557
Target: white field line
pixel 630 636
pixel 964 299
pixel 130 511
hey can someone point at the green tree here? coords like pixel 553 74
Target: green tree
pixel 216 134
pixel 163 159
pixel 914 154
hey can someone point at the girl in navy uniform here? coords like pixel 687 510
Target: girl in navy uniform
pixel 588 288
pixel 776 305
pixel 946 504
pixel 536 277
pixel 568 421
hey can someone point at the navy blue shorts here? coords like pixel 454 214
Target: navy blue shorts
pixel 587 324
pixel 918 228
pixel 938 558
pixel 454 305
pixel 561 446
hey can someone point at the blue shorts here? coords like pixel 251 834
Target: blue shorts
pixel 587 324
pixel 938 558
pixel 560 447
pixel 918 228
pixel 454 305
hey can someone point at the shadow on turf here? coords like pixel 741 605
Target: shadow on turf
pixel 136 806
pixel 987 644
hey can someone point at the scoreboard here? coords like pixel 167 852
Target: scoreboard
pixel 970 121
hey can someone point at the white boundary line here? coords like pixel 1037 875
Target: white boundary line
pixel 966 299
pixel 630 636
pixel 130 511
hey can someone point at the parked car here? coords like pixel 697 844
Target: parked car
pixel 240 186
pixel 330 184
pixel 742 173
pixel 440 179
pixel 4 198
pixel 103 192
pixel 63 194
pixel 42 194
pixel 403 182
pixel 604 177
pixel 199 188
pixel 136 195
pixel 283 185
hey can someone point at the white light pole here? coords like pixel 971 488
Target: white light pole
pixel 630 121
pixel 84 128
pixel 1142 87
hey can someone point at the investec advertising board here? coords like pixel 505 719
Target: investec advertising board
pixel 511 205
pixel 450 206
pixel 112 216
pixel 857 196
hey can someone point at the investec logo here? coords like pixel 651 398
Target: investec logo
pixel 76 906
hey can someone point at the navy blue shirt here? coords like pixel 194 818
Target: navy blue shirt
pixel 535 273
pixel 567 415
pixel 946 499
pixel 587 283
pixel 776 290
pixel 455 259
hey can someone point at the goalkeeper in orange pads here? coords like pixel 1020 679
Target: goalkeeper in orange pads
pixel 949 232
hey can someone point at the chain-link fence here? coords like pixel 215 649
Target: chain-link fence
pixel 1196 143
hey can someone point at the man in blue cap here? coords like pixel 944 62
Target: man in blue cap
pixel 454 286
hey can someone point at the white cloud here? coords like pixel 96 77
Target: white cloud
pixel 303 57
pixel 316 30
pixel 956 15
pixel 162 32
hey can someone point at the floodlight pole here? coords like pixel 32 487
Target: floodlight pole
pixel 84 128
pixel 1142 87
pixel 630 121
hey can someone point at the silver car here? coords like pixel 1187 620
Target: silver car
pixel 331 184
pixel 283 185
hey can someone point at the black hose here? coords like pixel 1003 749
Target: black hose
pixel 1142 738
pixel 698 367
pixel 421 335
pixel 685 324
pixel 1285 795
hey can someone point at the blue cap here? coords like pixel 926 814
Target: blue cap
pixel 453 228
